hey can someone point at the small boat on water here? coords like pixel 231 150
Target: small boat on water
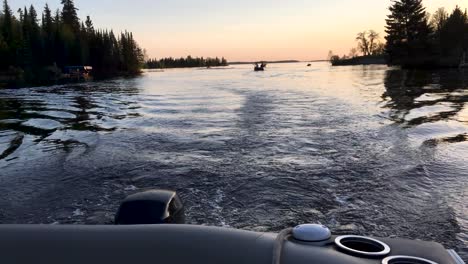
pixel 149 228
pixel 260 66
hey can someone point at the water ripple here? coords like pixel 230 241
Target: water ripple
pixel 364 150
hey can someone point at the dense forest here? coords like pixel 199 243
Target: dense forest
pixel 188 62
pixel 417 39
pixel 35 51
pixel 414 39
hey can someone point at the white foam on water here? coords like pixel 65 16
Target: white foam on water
pixel 45 124
pixel 78 212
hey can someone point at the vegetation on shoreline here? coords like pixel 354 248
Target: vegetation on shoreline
pixel 369 45
pixel 417 39
pixel 34 52
pixel 188 62
pixel 358 60
pixel 414 39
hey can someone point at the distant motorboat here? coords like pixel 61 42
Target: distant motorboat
pixel 260 67
pixel 308 65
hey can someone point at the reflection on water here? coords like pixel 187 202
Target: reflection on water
pixel 425 97
pixel 43 111
pixel 366 150
pixel 433 102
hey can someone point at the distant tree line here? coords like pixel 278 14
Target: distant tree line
pixel 188 62
pixel 417 39
pixel 33 50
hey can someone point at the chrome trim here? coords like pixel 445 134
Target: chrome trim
pixel 368 240
pixel 455 256
pixel 407 258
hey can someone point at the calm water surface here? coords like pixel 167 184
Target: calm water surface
pixel 364 150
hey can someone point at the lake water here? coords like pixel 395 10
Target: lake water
pixel 364 150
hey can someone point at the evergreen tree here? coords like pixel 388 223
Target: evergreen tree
pixel 34 52
pixel 453 33
pixel 35 37
pixel 7 23
pixel 26 46
pixel 7 42
pixel 408 33
pixel 47 20
pixel 89 25
pixel 70 16
pixel 48 35
pixel 70 33
pixel 59 49
pixel 4 54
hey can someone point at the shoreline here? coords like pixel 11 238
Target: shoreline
pixel 18 84
pixel 362 60
pixel 6 82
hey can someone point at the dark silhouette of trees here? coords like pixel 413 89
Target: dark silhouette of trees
pixel 453 33
pixel 363 43
pixel 369 46
pixel 48 36
pixel 438 19
pixel 89 25
pixel 31 50
pixel 70 18
pixel 415 39
pixel 188 62
pixel 373 41
pixel 369 43
pixel 8 42
pixel 7 23
pixel 408 33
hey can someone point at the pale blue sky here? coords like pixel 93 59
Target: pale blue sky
pixel 240 29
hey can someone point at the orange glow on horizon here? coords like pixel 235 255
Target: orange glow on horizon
pixel 241 30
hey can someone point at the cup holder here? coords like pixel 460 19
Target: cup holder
pixel 363 246
pixel 406 260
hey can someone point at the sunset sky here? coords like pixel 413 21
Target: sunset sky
pixel 242 29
